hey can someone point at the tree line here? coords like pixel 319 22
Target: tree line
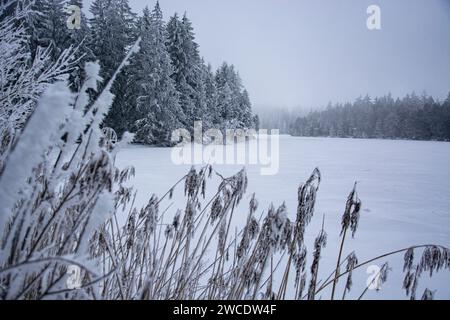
pixel 412 117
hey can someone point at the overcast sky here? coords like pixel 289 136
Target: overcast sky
pixel 308 52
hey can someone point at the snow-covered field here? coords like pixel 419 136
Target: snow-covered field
pixel 404 187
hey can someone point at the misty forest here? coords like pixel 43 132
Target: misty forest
pixel 91 206
pixel 411 117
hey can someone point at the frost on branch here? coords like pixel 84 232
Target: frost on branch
pixel 23 78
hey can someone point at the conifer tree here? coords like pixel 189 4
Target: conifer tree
pixel 156 95
pixel 46 24
pixel 187 71
pixel 233 100
pixel 113 30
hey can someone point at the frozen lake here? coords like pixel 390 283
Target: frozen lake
pixel 404 187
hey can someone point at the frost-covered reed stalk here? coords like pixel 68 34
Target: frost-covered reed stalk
pixel 350 219
pixel 194 254
pixel 57 187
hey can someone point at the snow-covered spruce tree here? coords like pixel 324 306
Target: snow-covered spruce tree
pixel 47 27
pixel 233 101
pixel 187 73
pixel 113 30
pixel 55 193
pixel 156 96
pixel 23 77
pixel 195 75
pixel 245 107
pixel 212 115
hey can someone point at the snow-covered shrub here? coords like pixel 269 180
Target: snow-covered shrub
pixel 23 78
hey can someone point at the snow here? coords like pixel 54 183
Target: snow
pixel 37 137
pixel 404 187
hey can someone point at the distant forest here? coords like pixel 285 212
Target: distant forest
pixel 412 117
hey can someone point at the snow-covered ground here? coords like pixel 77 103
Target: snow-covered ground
pixel 404 187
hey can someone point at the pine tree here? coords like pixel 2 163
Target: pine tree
pixel 47 27
pixel 156 98
pixel 246 117
pixel 187 71
pixel 212 114
pixel 113 30
pixel 233 100
pixel 194 71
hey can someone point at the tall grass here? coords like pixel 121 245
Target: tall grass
pixel 198 256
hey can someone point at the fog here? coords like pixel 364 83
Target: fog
pixel 293 53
